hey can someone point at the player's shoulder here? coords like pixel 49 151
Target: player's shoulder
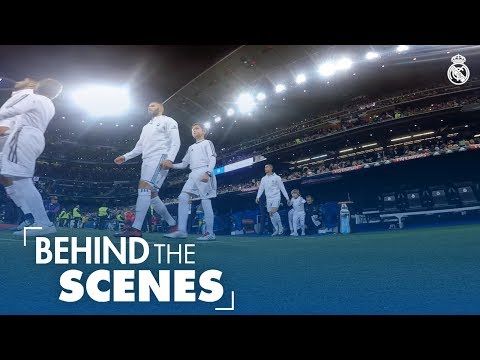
pixel 170 120
pixel 209 142
pixel 38 97
pixel 203 143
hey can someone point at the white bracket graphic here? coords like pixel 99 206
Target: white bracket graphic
pixel 233 304
pixel 25 233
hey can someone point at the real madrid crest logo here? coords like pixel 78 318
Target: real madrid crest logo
pixel 458 73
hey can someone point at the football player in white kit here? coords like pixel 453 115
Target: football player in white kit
pixel 158 144
pixel 201 183
pixel 21 89
pixel 298 216
pixel 272 184
pixel 30 115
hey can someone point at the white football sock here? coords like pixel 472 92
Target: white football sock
pixel 208 215
pixel 143 204
pixel 162 210
pixel 33 200
pixel 15 193
pixel 278 221
pixel 183 199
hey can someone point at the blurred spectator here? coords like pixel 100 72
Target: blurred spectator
pixel 102 216
pixel 53 209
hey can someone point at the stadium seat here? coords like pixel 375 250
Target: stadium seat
pixel 402 202
pixel 248 226
pixel 414 199
pixel 466 194
pixel 439 197
pixel 427 201
pixel 379 203
pixel 452 196
pixel 476 189
pixel 330 212
pixel 389 202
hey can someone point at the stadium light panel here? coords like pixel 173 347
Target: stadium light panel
pixel 343 64
pixel 280 88
pixel 372 55
pixel 401 138
pixel 261 96
pixel 245 103
pixel 327 69
pixel 402 48
pixel 102 100
pixel 425 133
pixel 300 79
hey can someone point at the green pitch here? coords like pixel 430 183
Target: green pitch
pixel 421 271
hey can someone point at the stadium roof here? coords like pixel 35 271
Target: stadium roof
pixel 198 83
pixel 260 68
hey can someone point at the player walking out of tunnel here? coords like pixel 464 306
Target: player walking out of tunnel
pixel 201 158
pixel 272 184
pixel 28 115
pixel 158 144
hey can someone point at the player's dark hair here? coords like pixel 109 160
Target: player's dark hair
pixel 205 131
pixel 200 125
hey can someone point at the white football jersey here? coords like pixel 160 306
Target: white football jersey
pixel 28 109
pixel 273 186
pixel 160 136
pixel 298 204
pixel 200 154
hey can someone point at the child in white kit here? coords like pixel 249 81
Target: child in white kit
pixel 297 203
